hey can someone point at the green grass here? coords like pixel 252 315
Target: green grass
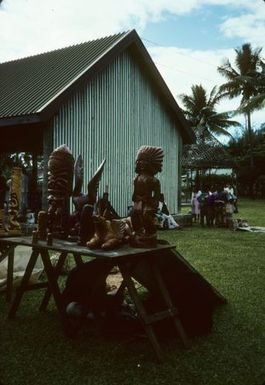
pixel 33 350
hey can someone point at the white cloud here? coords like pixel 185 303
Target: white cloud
pixel 249 26
pixel 182 68
pixel 32 26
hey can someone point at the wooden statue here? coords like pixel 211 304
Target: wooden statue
pixel 146 195
pixel 81 224
pixel 3 189
pixel 42 225
pixel 14 227
pixel 60 180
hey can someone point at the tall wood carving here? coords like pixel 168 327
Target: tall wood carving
pixel 81 223
pixel 146 195
pixel 14 227
pixel 60 181
pixel 3 189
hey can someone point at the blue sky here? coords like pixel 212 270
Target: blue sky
pixel 187 39
pixel 196 30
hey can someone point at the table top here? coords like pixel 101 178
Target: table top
pixel 71 247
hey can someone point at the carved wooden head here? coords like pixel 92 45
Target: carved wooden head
pixel 149 159
pixel 60 172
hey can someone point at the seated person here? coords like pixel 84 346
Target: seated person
pixel 165 220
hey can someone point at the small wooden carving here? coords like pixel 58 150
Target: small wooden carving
pixel 35 236
pixel 108 234
pixel 146 195
pixel 49 239
pixel 14 227
pixel 60 180
pixel 105 209
pixel 81 223
pixel 42 225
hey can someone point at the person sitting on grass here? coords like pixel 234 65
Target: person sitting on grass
pixel 165 220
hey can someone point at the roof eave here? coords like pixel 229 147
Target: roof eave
pixel 22 119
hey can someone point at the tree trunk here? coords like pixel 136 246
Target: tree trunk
pixel 249 129
pixel 251 162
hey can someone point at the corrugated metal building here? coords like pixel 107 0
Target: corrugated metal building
pixel 104 99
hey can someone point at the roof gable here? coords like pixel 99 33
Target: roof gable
pixel 32 88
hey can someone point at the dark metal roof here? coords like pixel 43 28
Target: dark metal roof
pixel 32 88
pixel 29 84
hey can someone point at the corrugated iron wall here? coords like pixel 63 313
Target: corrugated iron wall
pixel 116 113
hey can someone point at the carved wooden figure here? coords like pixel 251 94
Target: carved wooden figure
pixel 81 224
pixel 14 227
pixel 146 195
pixel 3 189
pixel 60 180
pixel 42 225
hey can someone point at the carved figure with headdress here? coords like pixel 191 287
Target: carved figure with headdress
pixel 146 195
pixel 60 180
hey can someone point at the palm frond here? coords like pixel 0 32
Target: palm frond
pixel 255 103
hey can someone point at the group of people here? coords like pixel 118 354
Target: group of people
pixel 214 207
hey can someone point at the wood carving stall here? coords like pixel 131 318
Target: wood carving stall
pixel 180 300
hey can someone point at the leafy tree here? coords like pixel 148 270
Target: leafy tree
pixel 200 111
pixel 243 80
pixel 251 179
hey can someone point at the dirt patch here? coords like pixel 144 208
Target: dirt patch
pixel 115 279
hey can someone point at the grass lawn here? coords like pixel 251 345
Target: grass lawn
pixel 34 351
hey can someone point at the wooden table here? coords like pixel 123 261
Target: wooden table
pixel 124 258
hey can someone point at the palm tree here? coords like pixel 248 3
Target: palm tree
pixel 243 80
pixel 256 102
pixel 200 111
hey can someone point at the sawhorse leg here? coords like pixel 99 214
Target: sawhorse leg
pixel 57 271
pixel 149 319
pixel 125 271
pixel 24 283
pixel 172 308
pixel 53 286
